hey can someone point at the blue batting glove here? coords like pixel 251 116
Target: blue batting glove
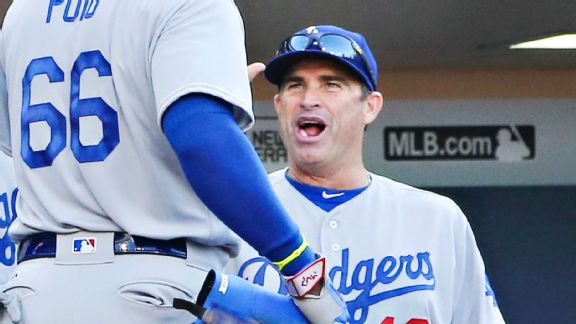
pixel 246 301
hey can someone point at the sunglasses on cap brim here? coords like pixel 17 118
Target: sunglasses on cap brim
pixel 334 44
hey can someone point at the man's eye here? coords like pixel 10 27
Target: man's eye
pixel 333 85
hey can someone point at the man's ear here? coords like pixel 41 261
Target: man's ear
pixel 373 107
pixel 277 103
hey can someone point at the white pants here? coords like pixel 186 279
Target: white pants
pixel 104 288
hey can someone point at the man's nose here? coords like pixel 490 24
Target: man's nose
pixel 311 99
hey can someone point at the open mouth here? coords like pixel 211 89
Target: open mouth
pixel 310 128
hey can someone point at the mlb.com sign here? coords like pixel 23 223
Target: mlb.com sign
pixel 508 143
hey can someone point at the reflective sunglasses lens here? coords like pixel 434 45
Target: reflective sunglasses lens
pixel 299 42
pixel 338 45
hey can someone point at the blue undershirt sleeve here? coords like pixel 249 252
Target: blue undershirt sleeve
pixel 226 173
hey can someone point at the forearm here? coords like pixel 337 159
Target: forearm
pixel 225 172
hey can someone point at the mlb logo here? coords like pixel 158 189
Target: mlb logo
pixel 84 245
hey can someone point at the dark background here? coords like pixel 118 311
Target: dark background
pixel 526 236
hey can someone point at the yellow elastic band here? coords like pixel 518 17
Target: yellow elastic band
pixel 296 253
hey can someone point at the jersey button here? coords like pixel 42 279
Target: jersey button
pixel 333 224
pixel 335 247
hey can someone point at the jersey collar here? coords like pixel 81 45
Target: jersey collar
pixel 325 198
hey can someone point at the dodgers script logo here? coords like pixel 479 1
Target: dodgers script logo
pixel 368 283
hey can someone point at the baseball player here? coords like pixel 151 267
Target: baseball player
pixel 8 193
pixel 124 120
pixel 397 254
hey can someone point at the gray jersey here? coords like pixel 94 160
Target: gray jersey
pixel 87 84
pixel 396 253
pixel 8 193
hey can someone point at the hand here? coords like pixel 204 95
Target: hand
pixel 315 295
pixel 254 69
pixel 231 299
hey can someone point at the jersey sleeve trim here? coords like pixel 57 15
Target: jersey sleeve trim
pixel 243 115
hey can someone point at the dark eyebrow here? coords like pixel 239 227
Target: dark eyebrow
pixel 324 78
pixel 292 78
pixel 331 77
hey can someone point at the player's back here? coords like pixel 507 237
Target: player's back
pixel 87 82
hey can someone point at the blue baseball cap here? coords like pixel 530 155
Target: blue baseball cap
pixel 325 41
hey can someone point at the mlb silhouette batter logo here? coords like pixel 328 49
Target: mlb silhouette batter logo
pixel 85 245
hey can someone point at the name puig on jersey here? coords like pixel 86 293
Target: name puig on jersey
pixel 72 10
